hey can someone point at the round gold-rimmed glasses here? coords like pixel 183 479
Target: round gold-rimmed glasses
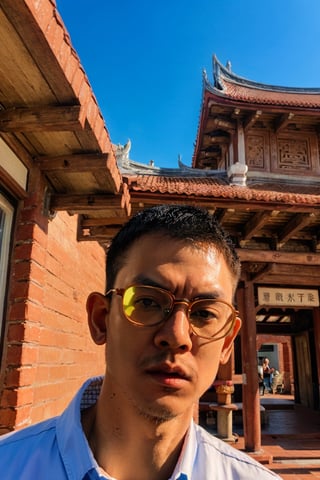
pixel 148 306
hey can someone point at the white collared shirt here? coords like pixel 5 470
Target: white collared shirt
pixel 57 449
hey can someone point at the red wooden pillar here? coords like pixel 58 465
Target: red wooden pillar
pixel 250 389
pixel 316 323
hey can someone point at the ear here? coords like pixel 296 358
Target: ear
pixel 228 341
pixel 97 311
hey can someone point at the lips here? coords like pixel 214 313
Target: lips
pixel 169 375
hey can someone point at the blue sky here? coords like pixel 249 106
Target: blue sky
pixel 144 60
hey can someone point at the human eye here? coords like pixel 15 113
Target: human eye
pixel 146 303
pixel 204 313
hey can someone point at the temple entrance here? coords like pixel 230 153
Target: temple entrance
pixel 286 338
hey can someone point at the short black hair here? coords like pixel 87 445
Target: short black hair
pixel 190 224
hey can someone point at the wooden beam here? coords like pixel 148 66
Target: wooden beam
pixel 219 139
pixel 223 215
pixel 274 328
pixel 283 121
pixel 259 276
pixel 306 275
pixel 290 280
pixel 255 224
pixel 103 236
pixel 221 124
pixel 73 163
pixel 291 274
pixel 268 256
pixel 103 221
pixel 310 271
pixel 85 203
pixel 222 202
pixel 316 242
pixel 42 119
pixel 251 120
pixel 297 223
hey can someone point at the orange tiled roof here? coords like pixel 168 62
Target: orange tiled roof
pixel 229 85
pixel 270 97
pixel 216 188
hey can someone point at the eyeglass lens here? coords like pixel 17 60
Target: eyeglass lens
pixel 145 305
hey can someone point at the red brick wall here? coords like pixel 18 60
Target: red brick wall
pixel 48 351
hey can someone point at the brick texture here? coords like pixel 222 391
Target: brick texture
pixel 47 350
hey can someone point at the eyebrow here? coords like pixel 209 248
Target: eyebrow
pixel 144 280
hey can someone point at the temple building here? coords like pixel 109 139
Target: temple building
pixel 256 164
pixel 65 190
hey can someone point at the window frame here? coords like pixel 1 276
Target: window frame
pixel 6 228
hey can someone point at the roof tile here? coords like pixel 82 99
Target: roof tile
pixel 270 97
pixel 216 188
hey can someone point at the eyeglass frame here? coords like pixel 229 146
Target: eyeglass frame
pixel 175 301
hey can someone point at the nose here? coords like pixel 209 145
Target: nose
pixel 175 333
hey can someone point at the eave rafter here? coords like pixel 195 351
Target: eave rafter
pixel 297 223
pixel 213 138
pixel 223 214
pixel 260 276
pixel 251 119
pixel 282 121
pixel 217 122
pixel 42 119
pixel 83 203
pixel 256 223
pixel 83 162
pixel 316 242
pixel 100 234
pixel 103 221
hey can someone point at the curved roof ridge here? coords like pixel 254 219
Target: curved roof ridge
pixel 132 168
pixel 221 73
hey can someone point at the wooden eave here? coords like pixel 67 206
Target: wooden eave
pixel 265 237
pixel 266 233
pixel 220 116
pixel 48 113
pixel 273 237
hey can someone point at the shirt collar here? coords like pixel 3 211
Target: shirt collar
pixel 185 464
pixel 74 448
pixel 72 442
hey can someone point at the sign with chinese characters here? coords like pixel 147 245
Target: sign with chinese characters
pixel 288 297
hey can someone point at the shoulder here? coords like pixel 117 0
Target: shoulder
pixel 227 461
pixel 33 449
pixel 26 435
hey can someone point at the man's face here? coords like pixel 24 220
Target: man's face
pixel 162 370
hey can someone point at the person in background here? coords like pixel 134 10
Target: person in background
pixel 261 380
pixel 267 374
pixel 168 322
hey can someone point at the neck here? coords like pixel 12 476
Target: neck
pixel 130 446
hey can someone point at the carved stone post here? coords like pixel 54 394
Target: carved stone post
pixel 224 411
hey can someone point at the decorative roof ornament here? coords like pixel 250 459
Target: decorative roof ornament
pixel 237 174
pixel 218 83
pixel 122 154
pixel 205 79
